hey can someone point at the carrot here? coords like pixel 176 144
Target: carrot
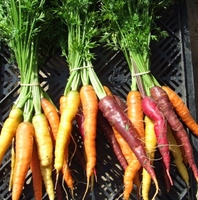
pixel 52 116
pixel 150 145
pixel 177 154
pixel 67 173
pixel 120 121
pixel 131 170
pixel 62 102
pixel 36 174
pixel 166 186
pixel 166 107
pixel 89 102
pixel 51 113
pixel 12 163
pixel 65 127
pixel 45 151
pixel 149 107
pixel 107 90
pixel 181 109
pixel 24 148
pixel 135 112
pixel 129 175
pixel 46 172
pixel 107 129
pixel 9 129
pixel 43 139
pixel 80 121
pixel 124 146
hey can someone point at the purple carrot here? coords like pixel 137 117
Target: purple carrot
pixel 120 102
pixel 107 129
pixel 118 119
pixel 165 106
pixel 150 109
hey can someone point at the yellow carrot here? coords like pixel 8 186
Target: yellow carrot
pixel 9 130
pixel 150 145
pixel 45 151
pixel 65 127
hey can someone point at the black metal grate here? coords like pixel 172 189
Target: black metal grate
pixel 168 64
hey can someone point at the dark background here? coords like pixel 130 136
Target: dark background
pixel 192 8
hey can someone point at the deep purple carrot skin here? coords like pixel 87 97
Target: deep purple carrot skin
pixel 120 102
pixel 118 119
pixel 107 130
pixel 165 106
pixel 150 109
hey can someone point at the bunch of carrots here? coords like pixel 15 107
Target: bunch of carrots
pixel 135 128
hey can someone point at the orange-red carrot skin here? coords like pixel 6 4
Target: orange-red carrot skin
pixel 67 176
pixel 135 112
pixel 36 174
pixel 89 103
pixel 133 164
pixel 52 116
pixel 9 130
pixel 24 148
pixel 107 90
pixel 181 109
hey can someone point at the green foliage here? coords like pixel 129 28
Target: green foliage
pixel 128 24
pixel 80 19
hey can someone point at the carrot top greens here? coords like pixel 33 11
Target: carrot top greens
pixel 22 24
pixel 80 18
pixel 127 25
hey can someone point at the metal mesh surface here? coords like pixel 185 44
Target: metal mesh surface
pixel 168 64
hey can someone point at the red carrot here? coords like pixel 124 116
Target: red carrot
pixel 149 107
pixel 166 107
pixel 118 119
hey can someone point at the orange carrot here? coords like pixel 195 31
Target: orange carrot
pixel 45 151
pixel 67 173
pixel 129 176
pixel 52 116
pixel 36 174
pixel 89 103
pixel 134 112
pixel 9 129
pixel 181 109
pixel 65 127
pixel 133 164
pixel 125 148
pixel 24 148
pixel 107 90
pixel 90 109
